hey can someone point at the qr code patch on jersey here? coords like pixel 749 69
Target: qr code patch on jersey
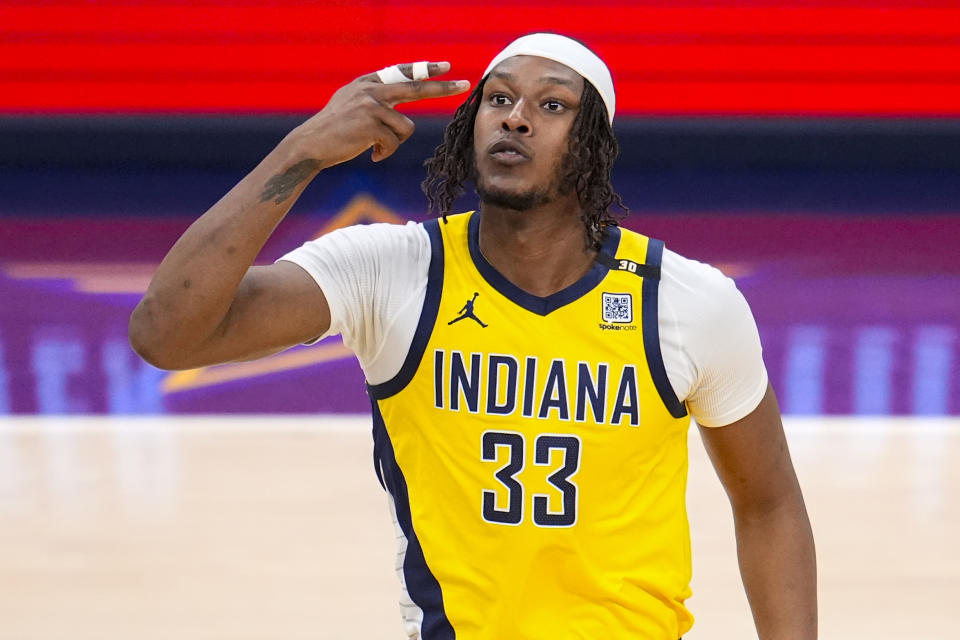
pixel 617 307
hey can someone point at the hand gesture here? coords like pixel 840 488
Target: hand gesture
pixel 361 115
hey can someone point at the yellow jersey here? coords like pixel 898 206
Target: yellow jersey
pixel 536 454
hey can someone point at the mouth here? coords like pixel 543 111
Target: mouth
pixel 508 152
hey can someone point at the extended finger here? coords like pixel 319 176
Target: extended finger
pixel 394 94
pixel 434 69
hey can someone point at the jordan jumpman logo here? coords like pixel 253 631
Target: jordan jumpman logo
pixel 466 311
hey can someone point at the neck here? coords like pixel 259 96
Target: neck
pixel 541 250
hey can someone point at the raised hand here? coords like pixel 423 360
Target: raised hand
pixel 205 303
pixel 361 115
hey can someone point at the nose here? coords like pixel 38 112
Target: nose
pixel 516 119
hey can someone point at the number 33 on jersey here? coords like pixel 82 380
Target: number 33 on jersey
pixel 535 454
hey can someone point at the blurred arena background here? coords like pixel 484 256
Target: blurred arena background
pixel 808 148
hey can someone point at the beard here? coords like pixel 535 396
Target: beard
pixel 560 185
pixel 512 200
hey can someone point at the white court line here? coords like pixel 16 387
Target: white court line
pixel 860 424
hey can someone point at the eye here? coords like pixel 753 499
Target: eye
pixel 499 99
pixel 554 105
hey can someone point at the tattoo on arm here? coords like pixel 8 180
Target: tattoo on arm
pixel 280 186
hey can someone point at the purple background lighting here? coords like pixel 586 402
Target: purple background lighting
pixel 857 314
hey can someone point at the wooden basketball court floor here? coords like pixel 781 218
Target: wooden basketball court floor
pixel 275 527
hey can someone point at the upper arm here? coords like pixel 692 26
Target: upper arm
pixel 752 459
pixel 275 307
pixel 710 342
pixel 731 398
pixel 349 281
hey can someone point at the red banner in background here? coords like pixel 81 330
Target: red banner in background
pixel 800 57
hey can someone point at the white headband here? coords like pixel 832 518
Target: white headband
pixel 567 52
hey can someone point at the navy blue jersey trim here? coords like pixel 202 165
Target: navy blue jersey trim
pixel 428 317
pixel 421 584
pixel 651 334
pixel 536 304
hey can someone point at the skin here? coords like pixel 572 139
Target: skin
pixel 206 304
pixel 775 545
pixel 533 102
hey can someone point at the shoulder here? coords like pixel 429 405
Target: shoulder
pixel 705 301
pixel 365 271
pixel 691 278
pixel 364 248
pixel 410 237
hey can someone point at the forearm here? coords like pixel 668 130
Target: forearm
pixel 192 290
pixel 202 305
pixel 778 566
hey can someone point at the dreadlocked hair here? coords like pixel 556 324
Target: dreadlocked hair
pixel 591 153
pixel 452 161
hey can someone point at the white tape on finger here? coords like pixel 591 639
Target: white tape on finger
pixel 392 75
pixel 420 71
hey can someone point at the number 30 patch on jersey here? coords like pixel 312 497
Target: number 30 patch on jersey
pixel 617 307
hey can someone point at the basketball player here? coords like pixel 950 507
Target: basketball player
pixel 531 365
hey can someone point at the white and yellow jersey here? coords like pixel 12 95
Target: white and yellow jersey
pixel 536 453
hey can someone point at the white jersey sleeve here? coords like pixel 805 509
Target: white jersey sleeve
pixel 375 279
pixel 709 341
